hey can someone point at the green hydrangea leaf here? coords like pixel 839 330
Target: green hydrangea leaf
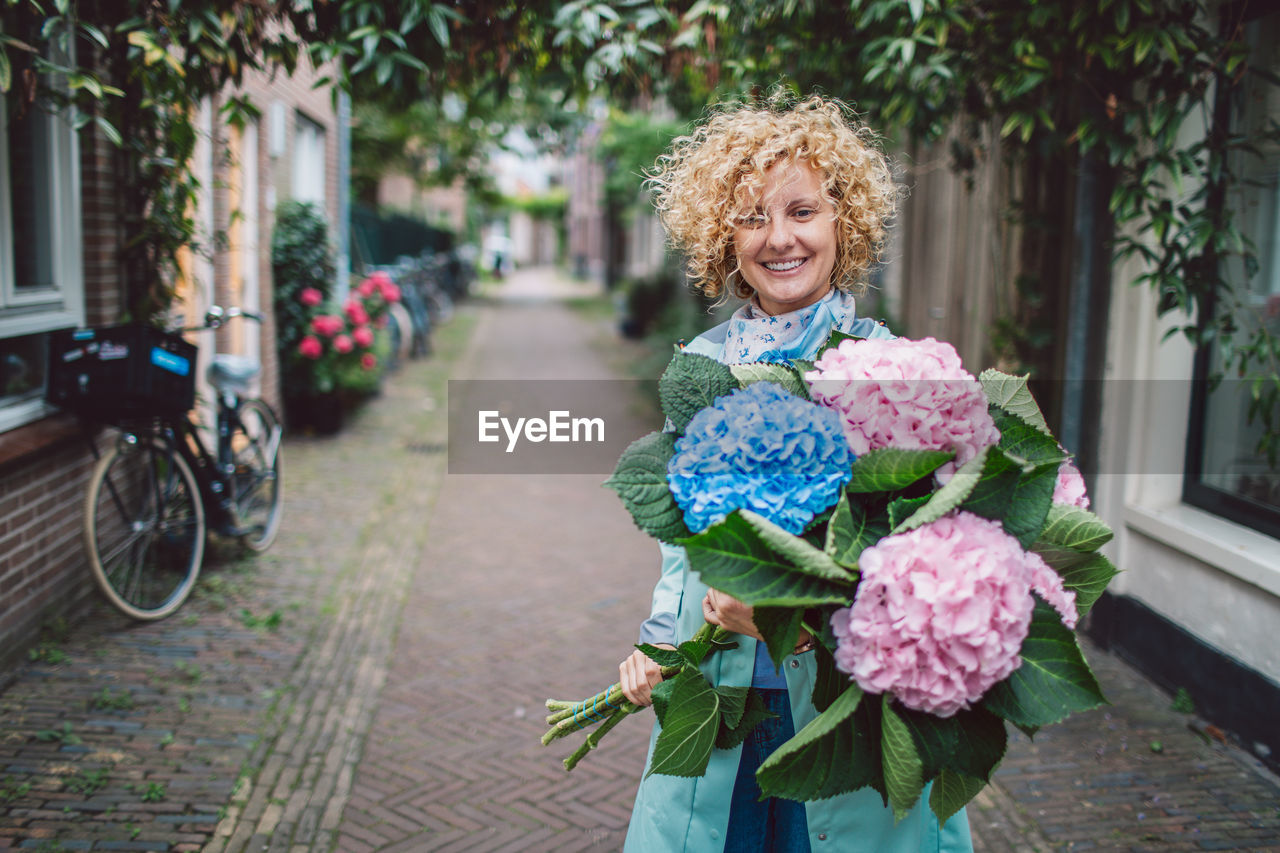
pixel 688 734
pixel 829 682
pixel 1073 528
pixel 807 558
pixel 640 479
pixel 733 702
pixel 832 755
pixel 903 769
pixel 903 508
pixel 661 695
pixel 951 792
pixel 834 340
pixel 694 652
pixel 1088 580
pixel 662 657
pixel 690 383
pixel 753 714
pixel 950 495
pixel 1054 680
pixel 1011 394
pixel 732 556
pixel 778 373
pixel 890 469
pixel 1016 492
pixel 972 741
pixel 852 528
pixel 780 627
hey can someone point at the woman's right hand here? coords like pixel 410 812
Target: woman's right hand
pixel 638 675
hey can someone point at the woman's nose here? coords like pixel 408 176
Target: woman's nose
pixel 779 233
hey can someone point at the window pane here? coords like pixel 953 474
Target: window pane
pixel 30 198
pixel 1231 460
pixel 22 368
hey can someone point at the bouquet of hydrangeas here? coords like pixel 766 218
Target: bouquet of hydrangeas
pixel 922 524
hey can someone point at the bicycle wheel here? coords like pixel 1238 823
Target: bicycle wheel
pixel 144 526
pixel 255 478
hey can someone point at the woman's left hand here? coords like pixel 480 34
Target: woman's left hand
pixel 722 609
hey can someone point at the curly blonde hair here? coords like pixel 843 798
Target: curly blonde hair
pixel 713 177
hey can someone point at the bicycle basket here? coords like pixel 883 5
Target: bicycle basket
pixel 126 371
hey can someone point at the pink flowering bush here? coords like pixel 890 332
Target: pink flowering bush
pixel 941 612
pixel 911 395
pixel 338 350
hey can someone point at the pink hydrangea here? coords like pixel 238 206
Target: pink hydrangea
pixel 913 395
pixel 343 344
pixel 363 336
pixel 310 297
pixel 1069 489
pixel 310 347
pixel 328 325
pixel 941 612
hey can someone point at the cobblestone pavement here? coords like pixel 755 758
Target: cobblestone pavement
pixel 375 681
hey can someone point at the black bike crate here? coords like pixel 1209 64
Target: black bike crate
pixel 121 372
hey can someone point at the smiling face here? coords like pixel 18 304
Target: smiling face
pixel 786 247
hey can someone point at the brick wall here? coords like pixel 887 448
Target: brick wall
pixel 44 467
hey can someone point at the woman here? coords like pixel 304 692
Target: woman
pixel 788 206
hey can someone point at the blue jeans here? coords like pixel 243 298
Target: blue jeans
pixel 773 825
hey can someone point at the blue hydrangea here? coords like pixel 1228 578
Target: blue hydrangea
pixel 761 449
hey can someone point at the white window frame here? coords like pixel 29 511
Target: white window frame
pixel 58 303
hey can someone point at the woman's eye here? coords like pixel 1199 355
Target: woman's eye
pixel 805 213
pixel 754 221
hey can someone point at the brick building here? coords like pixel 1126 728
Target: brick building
pixel 58 269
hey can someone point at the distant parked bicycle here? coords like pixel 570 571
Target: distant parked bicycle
pixel 157 490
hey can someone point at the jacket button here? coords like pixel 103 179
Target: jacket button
pixel 715 833
pixel 795 664
pixel 822 836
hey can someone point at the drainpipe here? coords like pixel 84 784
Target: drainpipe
pixel 344 195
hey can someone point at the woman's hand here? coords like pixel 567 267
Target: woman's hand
pixel 638 675
pixel 722 609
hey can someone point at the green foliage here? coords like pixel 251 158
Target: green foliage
pixel 109 700
pixel 64 734
pixel 891 469
pixel 88 782
pixel 270 622
pixel 155 792
pixel 629 144
pixel 1182 702
pixel 640 479
pixel 12 790
pixel 690 383
pixel 301 259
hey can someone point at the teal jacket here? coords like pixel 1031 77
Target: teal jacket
pixel 692 814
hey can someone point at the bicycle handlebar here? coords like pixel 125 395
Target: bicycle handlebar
pixel 217 315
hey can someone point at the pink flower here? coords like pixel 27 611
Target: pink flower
pixel 913 395
pixel 1069 489
pixel 327 325
pixel 366 287
pixel 343 344
pixel 368 361
pixel 363 336
pixel 310 347
pixel 390 290
pixel 354 310
pixel 310 297
pixel 941 612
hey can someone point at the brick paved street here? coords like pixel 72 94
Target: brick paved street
pixel 375 681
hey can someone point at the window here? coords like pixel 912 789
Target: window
pixel 1226 473
pixel 308 161
pixel 41 278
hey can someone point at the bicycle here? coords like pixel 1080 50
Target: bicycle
pixel 157 490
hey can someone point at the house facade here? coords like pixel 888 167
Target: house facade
pixel 59 269
pixel 1173 461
